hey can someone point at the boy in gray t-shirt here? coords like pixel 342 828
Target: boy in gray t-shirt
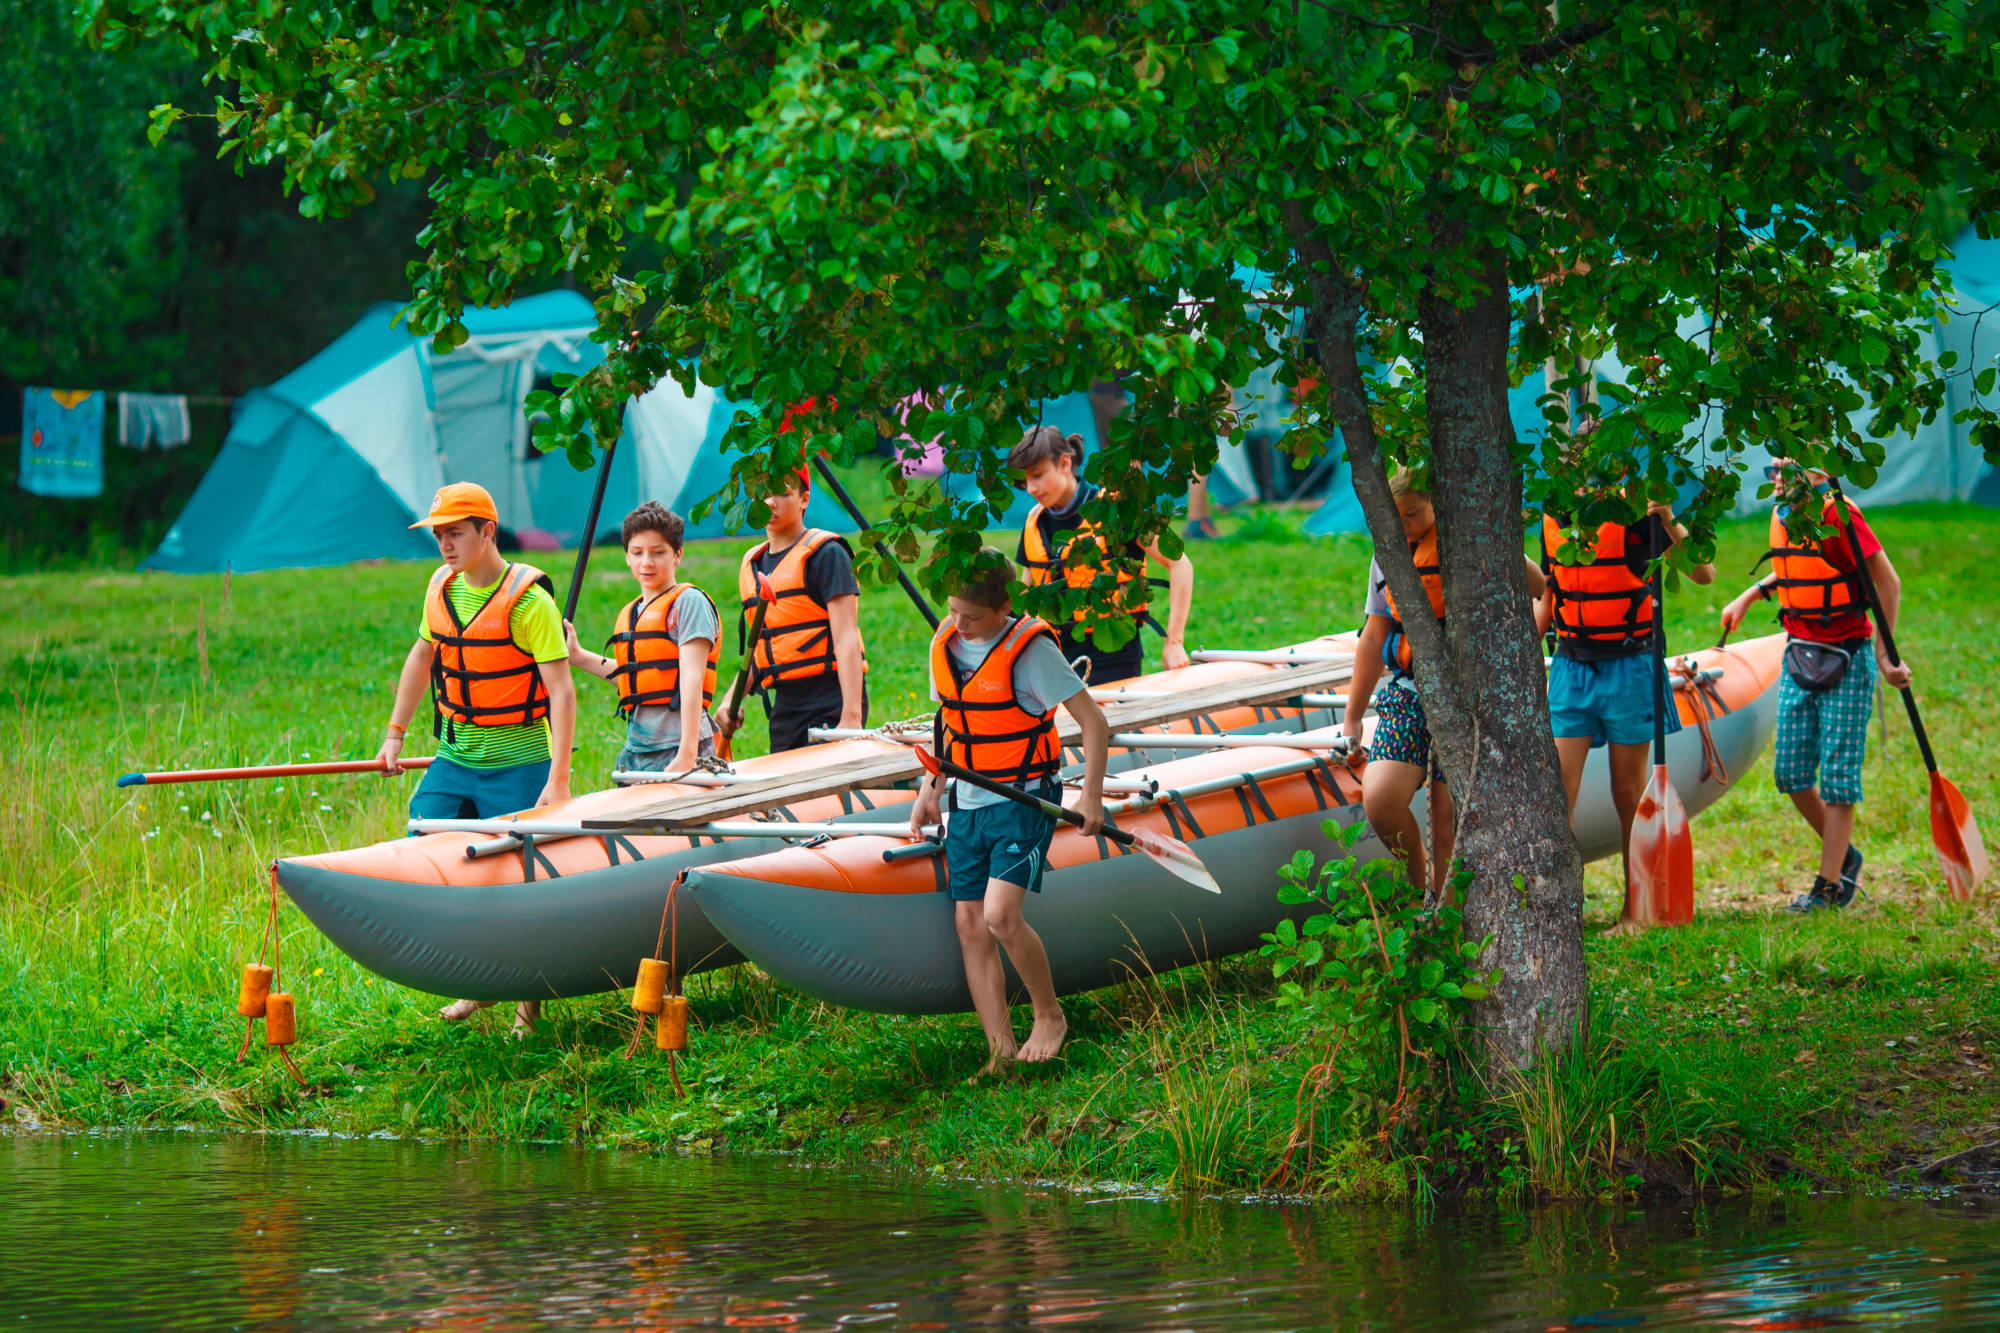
pixel 998 679
pixel 661 727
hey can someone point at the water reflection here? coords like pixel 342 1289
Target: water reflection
pixel 179 1231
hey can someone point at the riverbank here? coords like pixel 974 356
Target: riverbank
pixel 1750 1047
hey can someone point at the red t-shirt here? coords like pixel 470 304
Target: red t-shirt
pixel 1834 548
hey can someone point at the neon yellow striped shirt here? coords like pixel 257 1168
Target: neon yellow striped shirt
pixel 536 627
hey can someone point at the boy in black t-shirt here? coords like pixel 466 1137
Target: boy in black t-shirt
pixel 808 658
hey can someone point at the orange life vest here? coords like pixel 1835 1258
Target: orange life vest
pixel 1046 566
pixel 479 675
pixel 649 661
pixel 1810 587
pixel 1602 604
pixel 796 642
pixel 1424 554
pixel 980 724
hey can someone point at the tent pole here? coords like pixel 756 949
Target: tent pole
pixel 854 512
pixel 589 533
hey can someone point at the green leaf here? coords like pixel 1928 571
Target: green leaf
pixel 1424 1010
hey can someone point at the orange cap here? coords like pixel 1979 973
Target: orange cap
pixel 461 499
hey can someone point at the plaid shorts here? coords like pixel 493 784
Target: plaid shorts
pixel 1822 738
pixel 1402 735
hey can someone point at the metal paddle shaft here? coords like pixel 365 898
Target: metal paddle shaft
pixel 732 704
pixel 266 771
pixel 589 534
pixel 881 547
pixel 1659 673
pixel 1170 854
pixel 1867 581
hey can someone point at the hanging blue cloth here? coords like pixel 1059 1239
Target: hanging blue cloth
pixel 62 442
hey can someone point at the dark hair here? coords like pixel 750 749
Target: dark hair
pixel 1045 444
pixel 992 571
pixel 652 516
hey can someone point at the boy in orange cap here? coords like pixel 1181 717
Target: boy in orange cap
pixel 490 646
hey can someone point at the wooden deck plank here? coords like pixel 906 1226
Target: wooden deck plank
pixel 675 812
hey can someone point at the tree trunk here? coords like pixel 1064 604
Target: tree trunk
pixel 1480 672
pixel 1513 819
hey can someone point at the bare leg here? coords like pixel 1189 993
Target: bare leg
pixel 1572 752
pixel 986 980
pixel 1387 787
pixel 1836 834
pixel 1812 808
pixel 1628 784
pixel 525 1015
pixel 1442 833
pixel 1024 950
pixel 462 1009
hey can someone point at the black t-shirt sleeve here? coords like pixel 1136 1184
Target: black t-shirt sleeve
pixel 830 573
pixel 1644 541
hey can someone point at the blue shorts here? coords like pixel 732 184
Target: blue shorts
pixel 1610 700
pixel 1007 841
pixel 453 791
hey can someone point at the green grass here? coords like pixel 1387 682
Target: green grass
pixel 1749 1046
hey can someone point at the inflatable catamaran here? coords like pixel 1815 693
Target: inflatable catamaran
pixel 1238 755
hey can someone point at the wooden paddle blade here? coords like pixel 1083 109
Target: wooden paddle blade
pixel 1175 857
pixel 1661 857
pixel 1955 833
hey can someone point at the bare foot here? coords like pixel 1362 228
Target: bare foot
pixel 1046 1039
pixel 463 1009
pixel 525 1014
pixel 998 1063
pixel 1626 926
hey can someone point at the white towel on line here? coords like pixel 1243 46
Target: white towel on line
pixel 153 418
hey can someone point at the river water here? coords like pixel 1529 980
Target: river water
pixel 190 1231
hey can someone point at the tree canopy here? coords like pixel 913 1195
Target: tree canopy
pixel 990 202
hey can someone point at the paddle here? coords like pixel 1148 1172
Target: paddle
pixel 589 534
pixel 881 548
pixel 1170 854
pixel 733 704
pixel 1660 858
pixel 1954 832
pixel 266 771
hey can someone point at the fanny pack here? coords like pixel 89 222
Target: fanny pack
pixel 1816 667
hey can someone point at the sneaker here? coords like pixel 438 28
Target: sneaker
pixel 1850 875
pixel 1824 895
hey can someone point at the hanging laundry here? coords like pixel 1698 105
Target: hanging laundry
pixel 62 442
pixel 153 418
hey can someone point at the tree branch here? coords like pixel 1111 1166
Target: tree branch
pixel 1568 39
pixel 1331 317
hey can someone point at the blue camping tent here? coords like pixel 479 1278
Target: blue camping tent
pixel 334 461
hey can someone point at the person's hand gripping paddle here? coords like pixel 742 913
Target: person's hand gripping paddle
pixel 732 704
pixel 1170 854
pixel 1661 857
pixel 1954 832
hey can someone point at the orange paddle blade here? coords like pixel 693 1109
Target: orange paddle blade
pixel 1175 857
pixel 1661 856
pixel 1955 833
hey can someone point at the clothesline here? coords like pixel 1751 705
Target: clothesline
pixel 62 433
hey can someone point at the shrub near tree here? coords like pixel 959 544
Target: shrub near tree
pixel 992 203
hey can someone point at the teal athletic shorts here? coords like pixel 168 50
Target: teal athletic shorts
pixel 1610 700
pixel 1823 738
pixel 453 791
pixel 1007 841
